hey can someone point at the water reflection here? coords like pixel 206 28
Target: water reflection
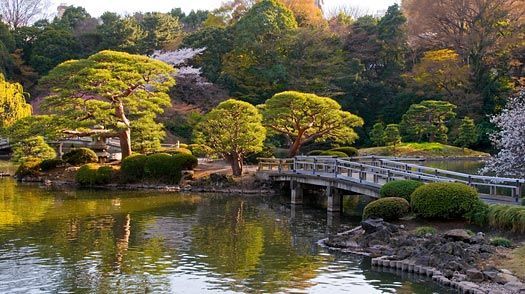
pixel 129 242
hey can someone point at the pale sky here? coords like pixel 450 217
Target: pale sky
pixel 97 7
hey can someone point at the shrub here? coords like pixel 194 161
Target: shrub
pixel 315 152
pixel 50 164
pixel 478 214
pixel 401 188
pixel 423 231
pixel 181 150
pixel 501 242
pixel 162 167
pixel 200 150
pixel 80 156
pixel 387 208
pixel 132 168
pixel 91 174
pixel 349 151
pixel 186 161
pixel 31 149
pixel 30 168
pixel 333 153
pixel 507 217
pixel 443 200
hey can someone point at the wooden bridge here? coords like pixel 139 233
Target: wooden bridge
pixel 366 175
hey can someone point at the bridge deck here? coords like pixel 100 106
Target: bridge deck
pixel 367 174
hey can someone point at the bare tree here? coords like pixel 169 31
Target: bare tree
pixel 353 11
pixel 17 13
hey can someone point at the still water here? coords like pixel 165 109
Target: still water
pixel 137 242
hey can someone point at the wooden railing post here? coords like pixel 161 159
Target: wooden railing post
pixel 335 167
pixel 280 166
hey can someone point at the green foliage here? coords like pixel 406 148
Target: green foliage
pixel 146 135
pixel 92 175
pixel 377 134
pixel 80 156
pixel 501 242
pixel 232 129
pixel 315 152
pixel 467 133
pixel 186 161
pixel 13 105
pixel 391 135
pixel 423 231
pixel 123 34
pixel 200 150
pixel 306 118
pixel 51 164
pixel 387 208
pixel 48 126
pixel 427 121
pixel 132 168
pixel 333 153
pixel 32 148
pixel 163 168
pixel 507 217
pixel 349 151
pixel 400 188
pixel 29 168
pixel 478 214
pixel 53 46
pixel 444 200
pixel 181 150
pixel 161 29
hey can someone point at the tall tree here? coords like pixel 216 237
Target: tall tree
pixel 112 89
pixel 467 133
pixel 427 121
pixel 307 12
pixel 123 34
pixel 18 13
pixel 255 69
pixel 304 118
pixel 232 129
pixel 162 31
pixel 392 135
pixel 377 134
pixel 13 105
pixel 51 47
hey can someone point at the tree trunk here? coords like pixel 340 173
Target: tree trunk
pixel 294 149
pixel 125 135
pixel 235 161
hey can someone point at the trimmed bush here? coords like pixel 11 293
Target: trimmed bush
pixel 104 175
pixel 387 208
pixel 501 242
pixel 200 150
pixel 401 188
pixel 349 151
pixel 162 167
pixel 51 164
pixel 186 161
pixel 443 200
pixel 507 217
pixel 478 214
pixel 315 152
pixel 91 175
pixel 132 168
pixel 181 150
pixel 423 231
pixel 30 168
pixel 333 153
pixel 80 156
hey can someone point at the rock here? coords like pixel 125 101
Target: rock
pixel 504 278
pixel 457 235
pixel 475 275
pixel 490 275
pixel 373 225
pixel 515 287
pixel 478 239
pixel 505 271
pixel 468 287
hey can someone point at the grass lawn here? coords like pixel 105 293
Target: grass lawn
pixel 422 149
pixel 516 262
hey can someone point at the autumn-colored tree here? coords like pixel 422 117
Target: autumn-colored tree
pixel 307 12
pixel 13 105
pixel 110 89
pixel 443 71
pixel 304 118
pixel 232 129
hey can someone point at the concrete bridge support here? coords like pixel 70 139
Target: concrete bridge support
pixel 335 199
pixel 297 192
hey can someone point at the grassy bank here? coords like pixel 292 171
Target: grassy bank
pixel 422 149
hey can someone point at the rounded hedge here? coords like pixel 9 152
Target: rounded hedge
pixel 30 168
pixel 333 153
pixel 163 167
pixel 349 151
pixel 51 164
pixel 186 161
pixel 444 200
pixel 181 150
pixel 200 150
pixel 80 156
pixel 315 152
pixel 132 168
pixel 401 188
pixel 91 175
pixel 391 208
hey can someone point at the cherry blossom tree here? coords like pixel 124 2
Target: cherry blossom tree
pixel 510 140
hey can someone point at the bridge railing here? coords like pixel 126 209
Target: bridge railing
pixel 380 171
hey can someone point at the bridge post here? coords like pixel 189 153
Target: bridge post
pixel 297 193
pixel 334 199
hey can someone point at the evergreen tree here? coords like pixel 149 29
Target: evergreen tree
pixel 427 121
pixel 377 135
pixel 467 133
pixel 392 135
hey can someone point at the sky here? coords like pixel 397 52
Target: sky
pixel 97 7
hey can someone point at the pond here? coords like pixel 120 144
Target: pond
pixel 130 242
pixel 469 166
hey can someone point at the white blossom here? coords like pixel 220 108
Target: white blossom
pixel 510 139
pixel 179 57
